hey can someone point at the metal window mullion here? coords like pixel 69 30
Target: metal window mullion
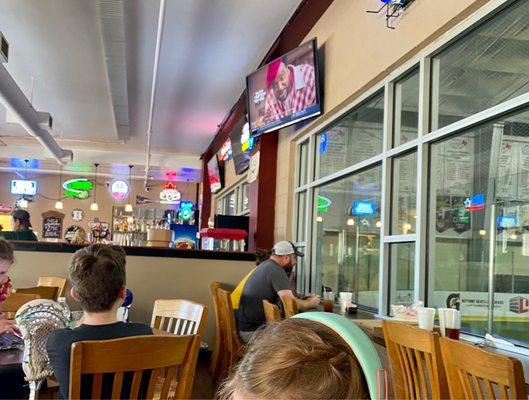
pixel 420 272
pixel 400 238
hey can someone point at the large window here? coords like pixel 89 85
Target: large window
pixel 480 194
pixel 404 203
pixel 235 201
pixel 353 139
pixel 482 69
pixel 347 237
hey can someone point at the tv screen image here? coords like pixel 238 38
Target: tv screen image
pixel 23 187
pixel 285 91
pixel 240 146
pixel 215 183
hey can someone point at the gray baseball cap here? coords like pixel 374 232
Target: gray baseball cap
pixel 285 248
pixel 22 215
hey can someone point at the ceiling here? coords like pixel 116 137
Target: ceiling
pixel 89 63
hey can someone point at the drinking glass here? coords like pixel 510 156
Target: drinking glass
pixel 328 301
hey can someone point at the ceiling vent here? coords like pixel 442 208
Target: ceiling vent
pixel 4 49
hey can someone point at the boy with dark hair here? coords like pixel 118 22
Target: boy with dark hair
pixel 97 275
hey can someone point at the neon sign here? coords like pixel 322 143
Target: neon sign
pixel 77 188
pixel 169 194
pixel 323 143
pixel 28 188
pixel 119 189
pixel 507 221
pixel 186 210
pixel 225 151
pixel 475 203
pixel 323 204
pixel 364 208
pixel 246 138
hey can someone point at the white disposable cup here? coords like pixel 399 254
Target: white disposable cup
pixel 343 305
pixel 426 318
pixel 346 296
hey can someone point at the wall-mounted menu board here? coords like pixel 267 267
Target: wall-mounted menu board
pixel 52 224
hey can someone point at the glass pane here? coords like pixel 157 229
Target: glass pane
pixel 482 69
pixel 218 208
pixel 404 195
pixel 486 165
pixel 231 204
pixel 353 139
pixel 347 236
pixel 303 163
pixel 302 204
pixel 402 273
pixel 406 115
pixel 245 188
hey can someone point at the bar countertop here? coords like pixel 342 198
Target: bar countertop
pixel 137 251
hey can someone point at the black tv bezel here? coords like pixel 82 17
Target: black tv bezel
pixel 258 132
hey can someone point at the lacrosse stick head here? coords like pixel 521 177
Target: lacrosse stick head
pixel 37 319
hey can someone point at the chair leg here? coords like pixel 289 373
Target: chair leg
pixel 214 370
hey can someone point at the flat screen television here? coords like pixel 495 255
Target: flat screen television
pixel 23 187
pixel 284 91
pixel 215 181
pixel 241 158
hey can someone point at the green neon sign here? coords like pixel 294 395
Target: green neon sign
pixel 323 204
pixel 77 188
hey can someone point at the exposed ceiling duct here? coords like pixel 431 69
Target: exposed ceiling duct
pixel 113 31
pixel 14 100
pixel 159 35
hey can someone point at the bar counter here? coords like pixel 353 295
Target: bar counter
pixel 152 273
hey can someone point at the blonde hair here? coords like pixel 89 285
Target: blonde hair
pixel 296 359
pixel 79 237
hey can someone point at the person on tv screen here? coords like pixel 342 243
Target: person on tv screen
pixel 290 88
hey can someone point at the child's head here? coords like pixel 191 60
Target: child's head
pixel 97 274
pixel 297 359
pixel 7 259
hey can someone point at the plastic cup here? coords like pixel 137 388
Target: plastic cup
pixel 450 322
pixel 347 296
pixel 328 301
pixel 426 318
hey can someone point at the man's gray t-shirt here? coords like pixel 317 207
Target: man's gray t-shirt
pixel 267 279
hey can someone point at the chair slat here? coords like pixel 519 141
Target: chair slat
pixel 477 387
pixel 155 373
pixel 178 323
pixel 413 372
pixel 503 392
pixel 422 376
pixel 407 370
pixel 135 387
pixel 118 384
pixel 97 384
pixel 169 376
pixel 490 389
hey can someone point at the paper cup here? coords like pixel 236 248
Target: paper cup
pixel 426 318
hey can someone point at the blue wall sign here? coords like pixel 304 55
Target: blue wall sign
pixel 364 208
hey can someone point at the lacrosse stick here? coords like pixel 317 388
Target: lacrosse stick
pixel 37 319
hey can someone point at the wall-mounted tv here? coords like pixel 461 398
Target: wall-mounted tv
pixel 215 181
pixel 285 91
pixel 241 149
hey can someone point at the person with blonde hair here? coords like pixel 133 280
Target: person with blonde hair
pixel 79 237
pixel 310 356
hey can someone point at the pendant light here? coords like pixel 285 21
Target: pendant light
pixel 128 207
pixel 58 204
pixel 94 206
pixel 23 203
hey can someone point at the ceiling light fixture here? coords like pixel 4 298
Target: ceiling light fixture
pixel 58 204
pixel 350 222
pixel 128 207
pixel 23 203
pixel 94 206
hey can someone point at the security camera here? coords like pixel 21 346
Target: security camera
pixel 147 188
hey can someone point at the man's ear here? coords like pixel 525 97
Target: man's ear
pixel 73 294
pixel 123 293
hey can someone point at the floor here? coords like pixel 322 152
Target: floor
pixel 203 387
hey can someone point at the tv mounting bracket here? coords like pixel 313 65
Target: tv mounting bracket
pixel 393 8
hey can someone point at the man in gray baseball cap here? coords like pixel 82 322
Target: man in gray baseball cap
pixel 269 282
pixel 20 227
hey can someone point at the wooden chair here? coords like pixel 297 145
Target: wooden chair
pixel 290 306
pixel 49 293
pixel 180 317
pixel 56 281
pixel 220 341
pixel 14 301
pixel 475 373
pixel 168 357
pixel 415 360
pixel 271 312
pixel 234 345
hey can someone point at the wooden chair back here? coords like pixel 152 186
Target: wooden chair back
pixel 56 281
pixel 271 312
pixel 180 317
pixel 14 301
pixel 475 373
pixel 49 293
pixel 234 344
pixel 168 358
pixel 220 341
pixel 416 363
pixel 290 306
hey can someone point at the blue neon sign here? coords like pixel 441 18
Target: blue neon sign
pixel 364 208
